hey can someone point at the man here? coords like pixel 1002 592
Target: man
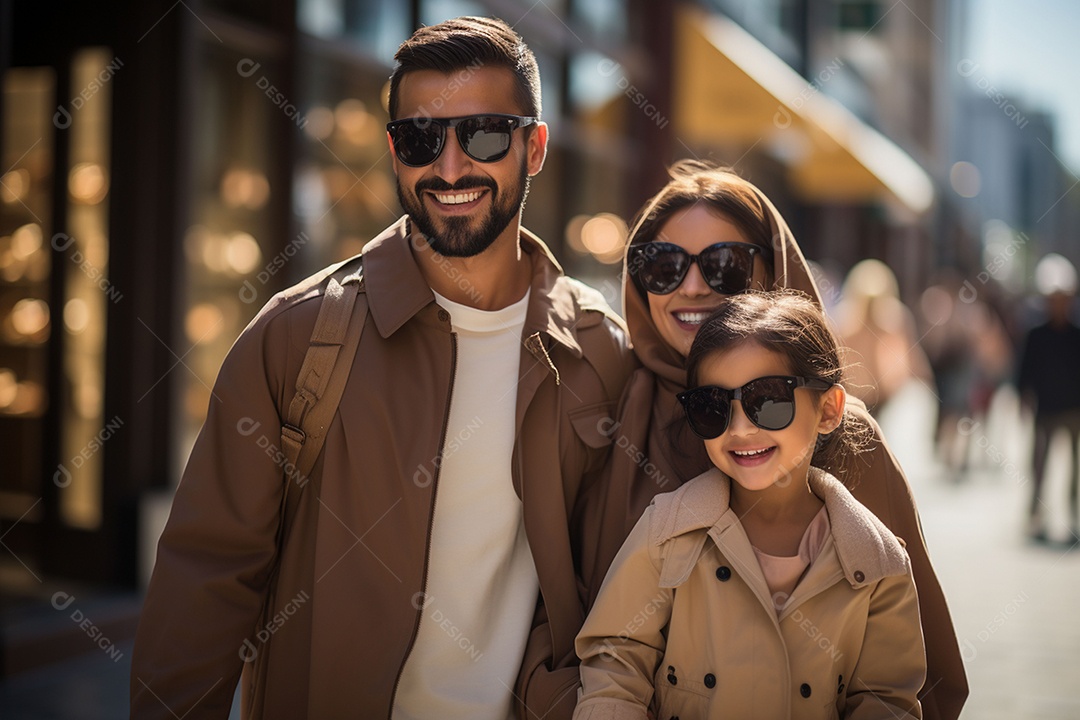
pixel 430 570
pixel 1048 383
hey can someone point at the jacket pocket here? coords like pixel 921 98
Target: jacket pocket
pixel 678 699
pixel 552 694
pixel 595 424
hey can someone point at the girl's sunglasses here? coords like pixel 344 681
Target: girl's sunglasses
pixel 660 267
pixel 769 403
pixel 485 138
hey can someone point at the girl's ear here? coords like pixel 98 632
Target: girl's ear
pixel 833 402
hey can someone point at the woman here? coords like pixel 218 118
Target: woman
pixel 710 219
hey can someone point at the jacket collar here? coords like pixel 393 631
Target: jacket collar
pixel 397 290
pixel 868 551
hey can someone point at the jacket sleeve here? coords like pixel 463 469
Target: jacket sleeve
pixel 884 489
pixel 622 642
pixel 218 547
pixel 892 662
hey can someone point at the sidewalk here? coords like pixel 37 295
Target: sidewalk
pixel 1014 603
pixel 90 686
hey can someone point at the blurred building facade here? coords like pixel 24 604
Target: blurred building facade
pixel 168 166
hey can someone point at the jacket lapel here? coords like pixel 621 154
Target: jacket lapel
pixel 396 289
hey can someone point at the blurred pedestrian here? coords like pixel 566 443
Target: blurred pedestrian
pixel 1049 380
pixel 883 352
pixel 970 355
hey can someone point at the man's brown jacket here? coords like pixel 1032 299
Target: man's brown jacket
pixel 325 632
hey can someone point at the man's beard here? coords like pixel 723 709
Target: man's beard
pixel 457 239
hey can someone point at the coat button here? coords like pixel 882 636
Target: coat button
pixel 710 681
pixel 804 690
pixel 839 684
pixel 444 316
pixel 859 577
pixel 671 675
pixel 723 573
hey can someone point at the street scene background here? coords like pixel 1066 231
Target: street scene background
pixel 166 167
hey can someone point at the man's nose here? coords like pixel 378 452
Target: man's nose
pixel 452 162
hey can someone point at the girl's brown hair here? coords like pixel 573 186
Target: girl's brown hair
pixel 721 190
pixel 787 322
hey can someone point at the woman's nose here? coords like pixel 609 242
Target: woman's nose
pixel 694 285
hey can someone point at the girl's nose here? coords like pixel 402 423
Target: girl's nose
pixel 739 423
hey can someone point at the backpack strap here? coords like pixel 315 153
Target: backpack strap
pixel 321 381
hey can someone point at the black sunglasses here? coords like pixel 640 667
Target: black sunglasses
pixel 769 403
pixel 418 141
pixel 660 267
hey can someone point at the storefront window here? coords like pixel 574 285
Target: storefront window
pixel 25 269
pixel 377 28
pixel 343 188
pixel 229 240
pixel 88 291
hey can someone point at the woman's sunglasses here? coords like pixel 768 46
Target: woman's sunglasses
pixel 485 138
pixel 660 267
pixel 769 403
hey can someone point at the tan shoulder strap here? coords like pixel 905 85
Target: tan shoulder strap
pixel 322 377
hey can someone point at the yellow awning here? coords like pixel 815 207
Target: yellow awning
pixel 734 92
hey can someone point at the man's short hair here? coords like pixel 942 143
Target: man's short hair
pixel 469 42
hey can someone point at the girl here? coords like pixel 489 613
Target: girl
pixel 761 588
pixel 711 214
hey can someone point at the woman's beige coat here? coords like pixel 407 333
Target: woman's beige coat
pixel 685 610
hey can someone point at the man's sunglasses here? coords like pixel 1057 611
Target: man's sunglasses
pixel 485 138
pixel 769 403
pixel 660 267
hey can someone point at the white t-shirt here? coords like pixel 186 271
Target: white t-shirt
pixel 482 586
